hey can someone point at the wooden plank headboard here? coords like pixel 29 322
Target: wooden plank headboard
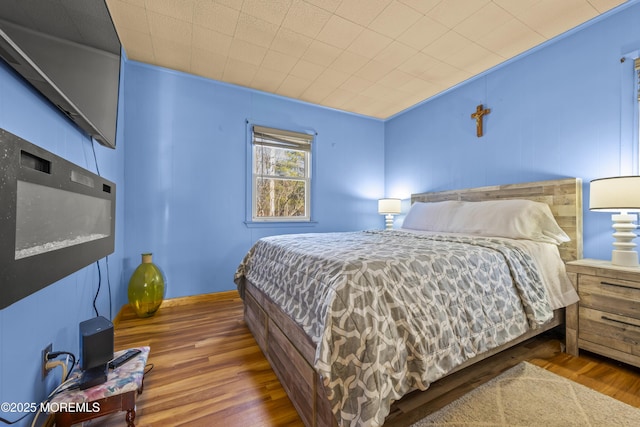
pixel 564 196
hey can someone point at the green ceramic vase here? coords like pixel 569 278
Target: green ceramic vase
pixel 146 288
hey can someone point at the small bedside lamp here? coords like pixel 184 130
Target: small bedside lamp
pixel 389 207
pixel 619 194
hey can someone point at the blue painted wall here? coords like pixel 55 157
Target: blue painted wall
pixel 186 174
pixel 184 199
pixel 52 315
pixel 566 109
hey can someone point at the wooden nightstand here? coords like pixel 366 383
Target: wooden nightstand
pixel 607 318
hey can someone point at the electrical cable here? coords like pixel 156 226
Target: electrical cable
pixel 108 285
pixel 54 354
pixel 5 421
pixel 66 370
pixel 50 365
pixel 95 159
pixel 150 366
pixel 98 291
pixel 53 393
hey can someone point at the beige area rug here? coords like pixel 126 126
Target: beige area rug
pixel 527 395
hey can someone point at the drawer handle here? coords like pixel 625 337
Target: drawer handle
pixel 618 285
pixel 619 321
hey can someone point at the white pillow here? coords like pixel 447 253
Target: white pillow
pixel 511 218
pixel 433 216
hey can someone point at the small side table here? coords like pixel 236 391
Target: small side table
pixel 118 393
pixel 606 320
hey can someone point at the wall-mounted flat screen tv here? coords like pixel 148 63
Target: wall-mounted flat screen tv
pixel 69 51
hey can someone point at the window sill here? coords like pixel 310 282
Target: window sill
pixel 280 224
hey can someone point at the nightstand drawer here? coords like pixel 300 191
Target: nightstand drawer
pixel 606 320
pixel 610 330
pixel 612 295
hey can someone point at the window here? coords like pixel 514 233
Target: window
pixel 636 66
pixel 281 175
pixel 636 163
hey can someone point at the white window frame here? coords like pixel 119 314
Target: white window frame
pixel 636 116
pixel 286 140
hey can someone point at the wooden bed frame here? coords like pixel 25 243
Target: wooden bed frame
pixel 291 352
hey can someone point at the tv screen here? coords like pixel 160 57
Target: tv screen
pixel 79 74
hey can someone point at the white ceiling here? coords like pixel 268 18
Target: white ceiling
pixel 371 57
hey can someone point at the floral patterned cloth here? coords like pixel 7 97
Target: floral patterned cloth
pixel 125 378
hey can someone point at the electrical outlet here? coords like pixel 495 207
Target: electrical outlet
pixel 43 358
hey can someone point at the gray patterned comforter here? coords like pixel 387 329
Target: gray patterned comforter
pixel 392 311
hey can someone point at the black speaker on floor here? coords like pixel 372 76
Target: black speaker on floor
pixel 96 350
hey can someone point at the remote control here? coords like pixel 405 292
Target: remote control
pixel 129 354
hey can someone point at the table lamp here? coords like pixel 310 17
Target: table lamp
pixel 389 207
pixel 619 194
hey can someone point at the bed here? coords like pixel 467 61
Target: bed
pixel 348 334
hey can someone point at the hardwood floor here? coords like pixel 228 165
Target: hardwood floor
pixel 208 370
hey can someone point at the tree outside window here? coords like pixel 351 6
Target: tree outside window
pixel 281 175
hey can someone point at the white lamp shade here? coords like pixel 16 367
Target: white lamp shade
pixel 389 206
pixel 619 194
pixel 616 194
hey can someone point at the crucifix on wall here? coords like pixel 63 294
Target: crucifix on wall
pixel 478 115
